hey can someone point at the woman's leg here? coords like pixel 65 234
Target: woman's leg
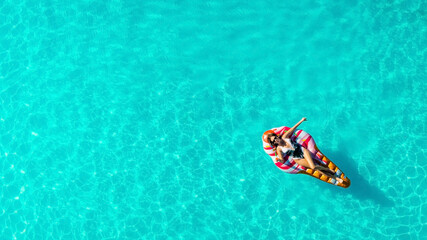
pixel 307 161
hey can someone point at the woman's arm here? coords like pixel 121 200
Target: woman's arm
pixel 290 131
pixel 279 154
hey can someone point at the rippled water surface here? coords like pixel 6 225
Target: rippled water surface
pixel 143 119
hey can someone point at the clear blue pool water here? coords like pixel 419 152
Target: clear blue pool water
pixel 143 119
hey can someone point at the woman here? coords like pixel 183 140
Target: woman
pixel 285 146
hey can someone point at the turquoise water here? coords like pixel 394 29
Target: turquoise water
pixel 143 119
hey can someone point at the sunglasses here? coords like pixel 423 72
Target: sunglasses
pixel 272 141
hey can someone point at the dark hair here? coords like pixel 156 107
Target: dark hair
pixel 272 143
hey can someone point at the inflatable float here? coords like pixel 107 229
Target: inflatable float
pixel 290 166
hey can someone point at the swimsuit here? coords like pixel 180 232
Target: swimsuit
pixel 294 152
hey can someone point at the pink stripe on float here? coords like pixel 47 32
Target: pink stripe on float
pixel 307 142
